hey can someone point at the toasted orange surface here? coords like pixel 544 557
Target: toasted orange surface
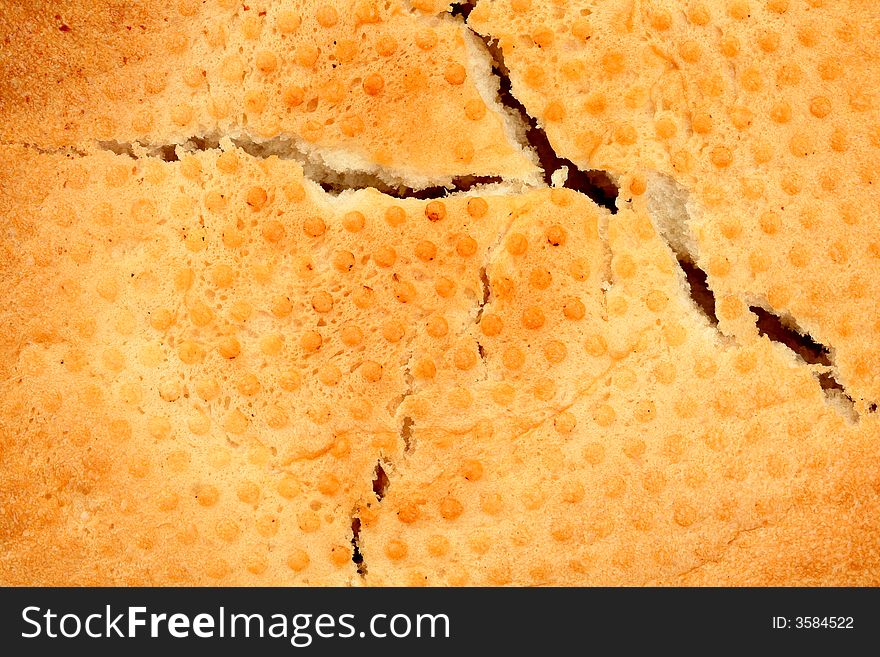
pixel 227 358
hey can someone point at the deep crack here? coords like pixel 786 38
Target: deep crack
pixel 380 487
pixel 668 206
pixel 333 182
pixel 779 330
pixel 357 557
pixel 462 9
pixel 701 293
pixel 380 481
pixel 594 184
pixel 335 186
pixel 782 330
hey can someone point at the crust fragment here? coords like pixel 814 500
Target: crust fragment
pixel 764 114
pixel 363 86
pixel 660 450
pixel 203 361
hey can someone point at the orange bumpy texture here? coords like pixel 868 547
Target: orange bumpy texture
pixel 360 84
pixel 764 111
pixel 206 359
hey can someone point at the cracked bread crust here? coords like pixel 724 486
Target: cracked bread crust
pixel 357 85
pixel 207 391
pixel 213 372
pixel 655 470
pixel 764 113
pixel 207 397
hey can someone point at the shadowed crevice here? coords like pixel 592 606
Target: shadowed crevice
pixel 701 293
pixel 782 330
pixel 597 185
pixel 775 328
pixel 380 481
pixel 668 205
pixel 334 186
pixel 357 557
pixel 380 486
pixel 462 9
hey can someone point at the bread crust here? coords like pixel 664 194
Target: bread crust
pixel 215 372
pixel 363 87
pixel 763 114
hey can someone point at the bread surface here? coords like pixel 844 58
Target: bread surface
pixel 215 372
pixel 764 113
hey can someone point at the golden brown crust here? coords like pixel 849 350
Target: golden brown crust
pixel 763 111
pixel 653 468
pixel 203 361
pixel 56 57
pixel 360 85
pixel 828 537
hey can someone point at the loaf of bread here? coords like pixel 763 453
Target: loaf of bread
pixel 288 299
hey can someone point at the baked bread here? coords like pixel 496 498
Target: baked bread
pixel 226 358
pixel 323 82
pixel 752 125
